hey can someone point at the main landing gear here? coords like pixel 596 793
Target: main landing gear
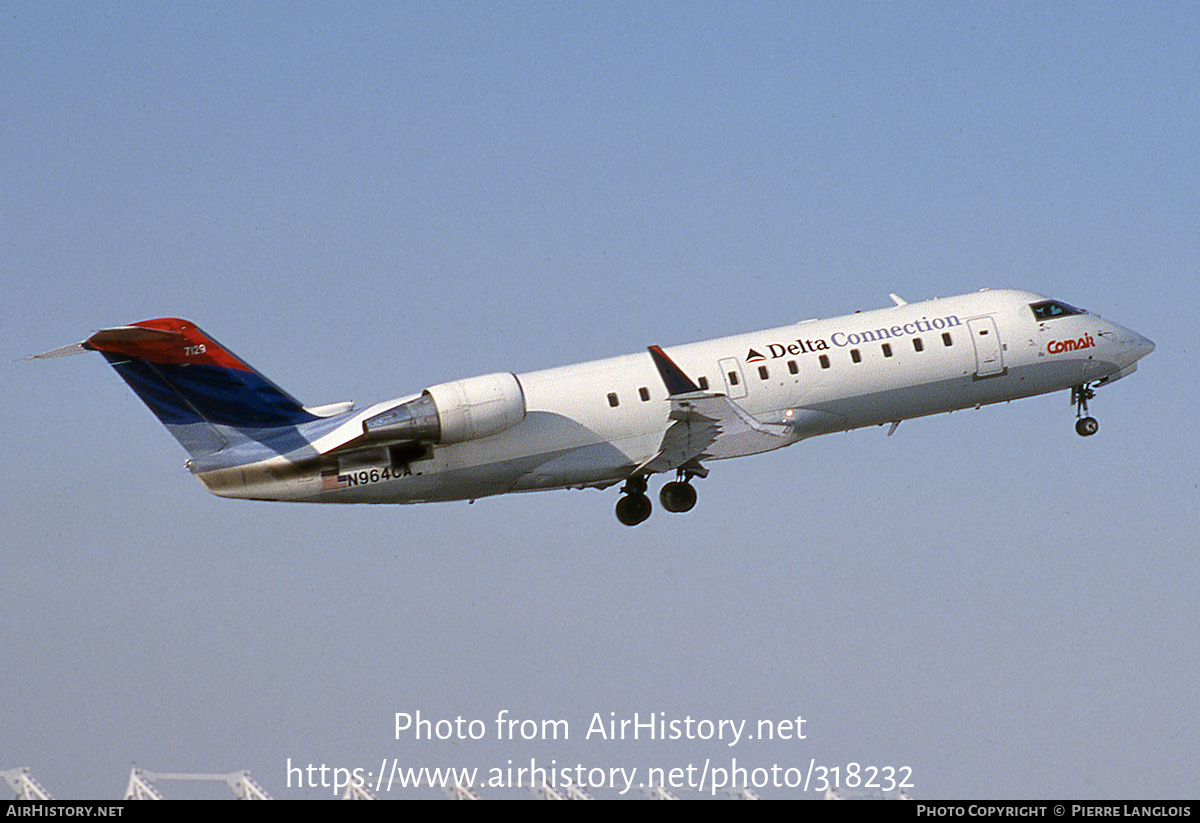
pixel 678 496
pixel 634 506
pixel 1085 426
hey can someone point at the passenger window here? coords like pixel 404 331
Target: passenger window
pixel 918 344
pixel 792 367
pixel 612 399
pixel 856 355
pixel 644 393
pixel 887 349
pixel 946 340
pixel 824 361
pixel 762 372
pixel 702 383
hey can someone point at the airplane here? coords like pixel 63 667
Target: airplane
pixel 620 419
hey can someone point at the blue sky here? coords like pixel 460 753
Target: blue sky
pixel 364 202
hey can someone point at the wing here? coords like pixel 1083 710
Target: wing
pixel 706 424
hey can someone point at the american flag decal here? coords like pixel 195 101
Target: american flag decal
pixel 330 480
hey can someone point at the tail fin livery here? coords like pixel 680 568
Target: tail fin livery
pixel 200 390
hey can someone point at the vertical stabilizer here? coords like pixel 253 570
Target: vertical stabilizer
pixel 203 393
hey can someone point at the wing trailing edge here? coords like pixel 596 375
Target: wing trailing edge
pixel 706 424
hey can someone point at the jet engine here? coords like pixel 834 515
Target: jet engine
pixel 454 412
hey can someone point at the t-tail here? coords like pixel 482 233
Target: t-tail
pixel 209 398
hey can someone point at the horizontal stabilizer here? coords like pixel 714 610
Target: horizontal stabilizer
pixel 114 336
pixel 64 351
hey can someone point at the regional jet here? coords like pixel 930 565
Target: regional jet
pixel 617 420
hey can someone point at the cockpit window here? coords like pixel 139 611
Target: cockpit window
pixel 1052 309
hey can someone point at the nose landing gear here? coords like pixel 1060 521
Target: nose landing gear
pixel 1085 426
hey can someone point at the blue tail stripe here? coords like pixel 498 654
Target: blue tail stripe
pixel 194 393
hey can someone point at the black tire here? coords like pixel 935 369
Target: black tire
pixel 677 496
pixel 1087 426
pixel 633 509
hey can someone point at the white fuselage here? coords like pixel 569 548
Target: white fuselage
pixel 595 423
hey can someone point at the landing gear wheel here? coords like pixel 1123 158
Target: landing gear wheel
pixel 678 496
pixel 633 509
pixel 1085 426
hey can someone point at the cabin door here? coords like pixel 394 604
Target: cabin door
pixel 731 373
pixel 989 353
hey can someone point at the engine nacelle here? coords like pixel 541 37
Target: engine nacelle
pixel 454 412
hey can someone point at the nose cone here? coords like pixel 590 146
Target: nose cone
pixel 1141 346
pixel 1129 348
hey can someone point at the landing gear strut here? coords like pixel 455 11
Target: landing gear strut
pixel 634 506
pixel 1085 426
pixel 679 495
